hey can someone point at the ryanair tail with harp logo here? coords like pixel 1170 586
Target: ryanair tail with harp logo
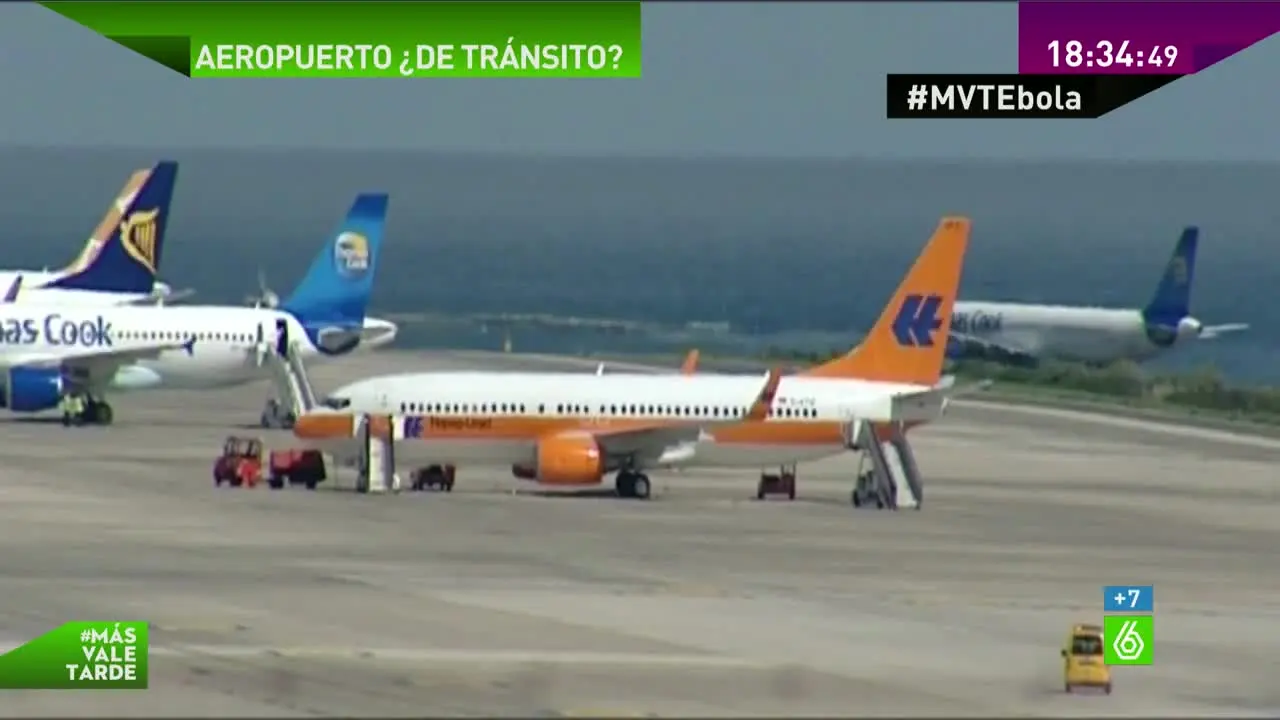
pixel 129 258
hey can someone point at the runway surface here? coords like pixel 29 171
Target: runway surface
pixel 700 602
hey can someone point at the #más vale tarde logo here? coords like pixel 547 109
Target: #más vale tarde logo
pixel 97 655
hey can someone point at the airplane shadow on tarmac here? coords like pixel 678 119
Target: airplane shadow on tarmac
pixel 119 423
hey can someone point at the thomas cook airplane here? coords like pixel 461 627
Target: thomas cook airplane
pixel 71 285
pixel 571 429
pixel 1023 334
pixel 49 351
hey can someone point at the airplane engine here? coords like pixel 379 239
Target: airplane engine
pixel 31 389
pixel 566 459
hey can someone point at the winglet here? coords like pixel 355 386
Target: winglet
pixel 908 343
pixel 600 369
pixel 11 294
pixel 190 345
pixel 690 364
pixel 764 401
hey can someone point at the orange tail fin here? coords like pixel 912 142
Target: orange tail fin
pixel 908 343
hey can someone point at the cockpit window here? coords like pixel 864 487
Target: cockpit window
pixel 334 402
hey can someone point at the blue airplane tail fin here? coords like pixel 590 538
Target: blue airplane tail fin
pixel 334 293
pixel 1172 300
pixel 131 246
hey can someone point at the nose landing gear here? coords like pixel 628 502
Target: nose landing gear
pixel 276 416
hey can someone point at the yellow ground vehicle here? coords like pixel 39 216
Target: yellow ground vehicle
pixel 1082 660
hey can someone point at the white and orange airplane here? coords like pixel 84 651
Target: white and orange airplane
pixel 572 429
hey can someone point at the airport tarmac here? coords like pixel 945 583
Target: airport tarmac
pixel 701 602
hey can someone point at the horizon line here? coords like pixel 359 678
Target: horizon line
pixel 650 157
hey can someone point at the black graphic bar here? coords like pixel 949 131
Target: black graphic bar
pixel 1015 96
pixel 172 52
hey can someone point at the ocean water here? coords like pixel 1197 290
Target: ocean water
pixel 801 252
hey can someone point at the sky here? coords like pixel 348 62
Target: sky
pixel 785 79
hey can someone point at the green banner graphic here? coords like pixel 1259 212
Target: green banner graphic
pixel 94 655
pixel 373 39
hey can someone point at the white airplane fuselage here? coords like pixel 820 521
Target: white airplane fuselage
pixel 1081 334
pixel 497 418
pixel 224 351
pixel 227 340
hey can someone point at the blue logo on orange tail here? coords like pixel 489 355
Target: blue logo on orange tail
pixel 917 320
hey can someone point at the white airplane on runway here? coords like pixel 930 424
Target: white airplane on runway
pixel 1023 334
pixel 49 351
pixel 129 283
pixel 571 429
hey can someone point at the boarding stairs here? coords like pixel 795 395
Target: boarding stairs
pixel 377 465
pixel 292 384
pixel 888 476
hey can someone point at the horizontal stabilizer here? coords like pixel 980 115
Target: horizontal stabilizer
pixel 1209 332
pixel 927 405
pixel 157 299
pixel 948 385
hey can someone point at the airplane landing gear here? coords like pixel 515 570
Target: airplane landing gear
pixel 91 412
pixel 633 485
pixel 433 477
pixel 275 416
pixel 869 492
pixel 98 412
pixel 784 483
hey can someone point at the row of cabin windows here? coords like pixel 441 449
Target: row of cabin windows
pixel 163 336
pixel 700 411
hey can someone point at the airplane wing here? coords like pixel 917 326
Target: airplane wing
pixel 647 444
pixel 1010 348
pixel 93 368
pixel 1210 332
pixel 688 367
